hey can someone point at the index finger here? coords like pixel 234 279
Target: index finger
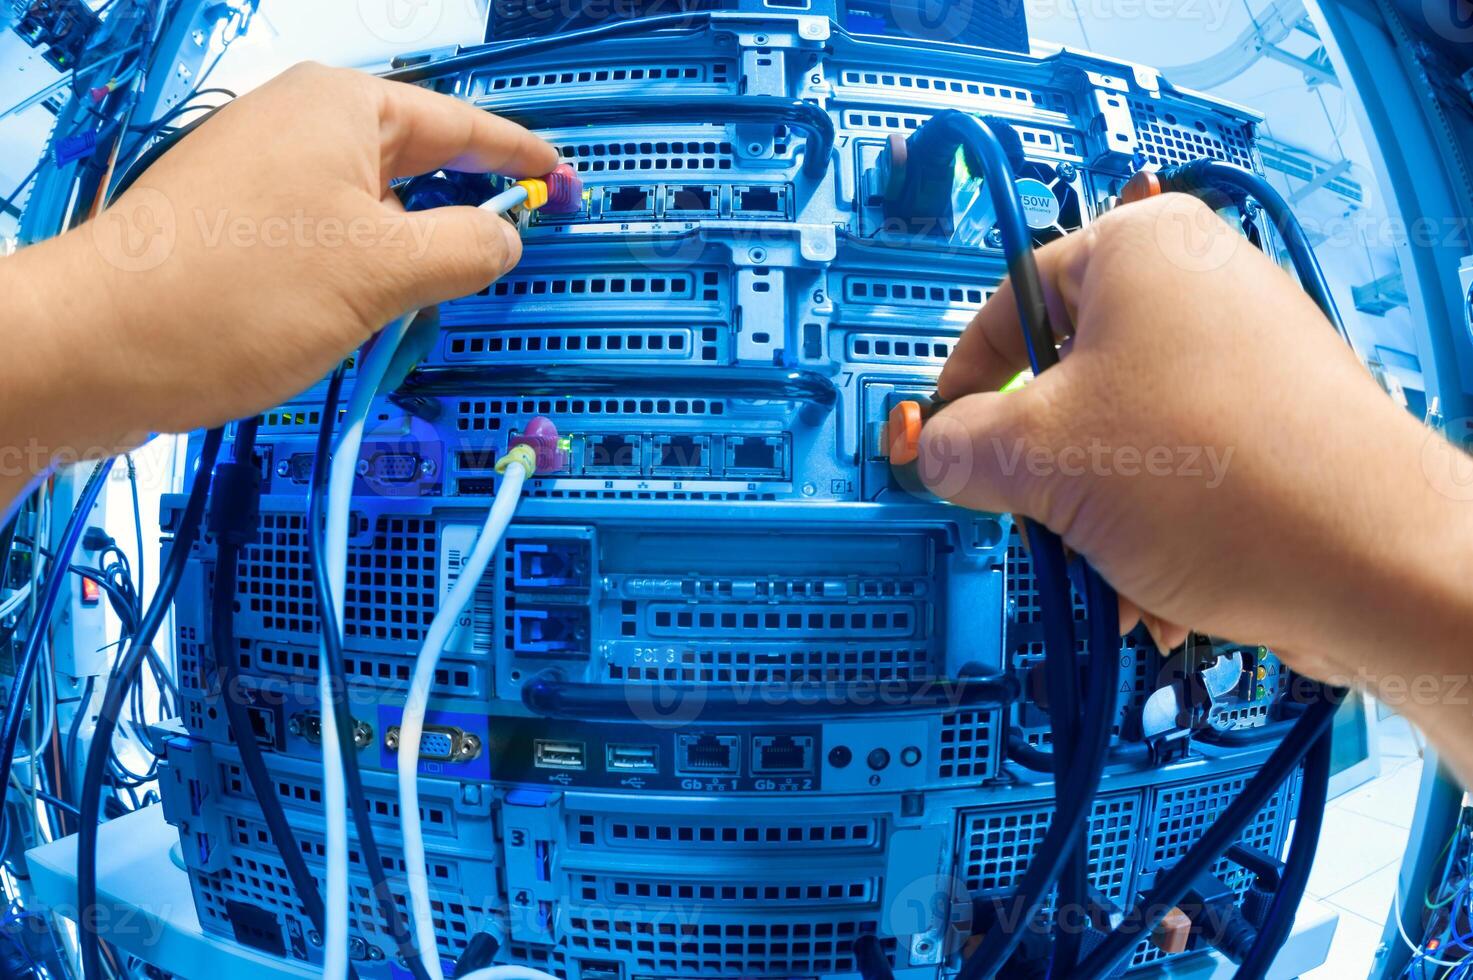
pixel 992 350
pixel 423 131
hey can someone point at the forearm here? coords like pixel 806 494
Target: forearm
pixel 56 403
pixel 1396 609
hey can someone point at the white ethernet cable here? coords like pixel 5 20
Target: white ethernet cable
pixel 519 463
pixel 371 371
pixel 563 191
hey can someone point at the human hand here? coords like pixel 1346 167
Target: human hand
pixel 1209 444
pixel 264 248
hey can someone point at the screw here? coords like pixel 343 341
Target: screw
pixel 1067 171
pixel 760 39
pixel 314 937
pixel 470 747
pixel 757 254
pixel 362 467
pixel 427 468
pixel 282 469
pixel 994 238
pixel 362 734
pixel 391 739
pixel 294 725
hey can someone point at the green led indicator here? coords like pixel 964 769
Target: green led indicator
pixel 1019 381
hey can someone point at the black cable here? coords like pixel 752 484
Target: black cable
pixel 112 705
pixel 1172 883
pixel 138 584
pixel 234 521
pixel 332 652
pixel 937 141
pixel 1308 819
pixel 25 667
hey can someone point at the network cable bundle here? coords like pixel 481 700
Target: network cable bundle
pixel 598 626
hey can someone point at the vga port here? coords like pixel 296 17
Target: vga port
pixel 394 467
pixel 440 743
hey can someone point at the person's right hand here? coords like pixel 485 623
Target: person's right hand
pixel 1212 447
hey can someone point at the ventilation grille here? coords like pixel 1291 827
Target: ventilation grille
pixel 592 288
pixel 724 948
pixel 1002 96
pixel 969 745
pixel 762 666
pixel 722 894
pixel 1165 141
pixel 891 348
pixel 680 156
pixel 1061 142
pixel 914 292
pixel 391 584
pixel 382 806
pixel 672 620
pixel 487 415
pixel 1181 814
pixel 385 672
pixel 642 77
pixel 738 833
pixel 1022 587
pixel 556 345
pixel 997 845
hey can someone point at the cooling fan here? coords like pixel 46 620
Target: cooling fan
pixel 1050 200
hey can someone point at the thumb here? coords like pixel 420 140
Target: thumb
pixel 990 452
pixel 459 251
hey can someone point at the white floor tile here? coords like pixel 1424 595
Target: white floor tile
pixel 1369 898
pixel 1391 798
pixel 1352 846
pixel 1353 951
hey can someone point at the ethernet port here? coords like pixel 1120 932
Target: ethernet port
pixel 782 753
pixel 682 201
pixel 682 454
pixel 760 202
pixel 761 457
pixel 628 200
pixel 611 454
pixel 713 755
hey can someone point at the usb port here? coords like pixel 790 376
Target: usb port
pixel 554 754
pixel 632 758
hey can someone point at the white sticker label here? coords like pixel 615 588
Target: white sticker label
pixel 456 542
pixel 1040 207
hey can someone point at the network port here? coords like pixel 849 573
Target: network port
pixel 681 455
pixel 611 455
pixel 712 755
pixel 549 753
pixel 762 201
pixel 550 630
pixel 758 457
pixel 629 201
pixel 691 201
pixel 632 758
pixel 782 753
pixel 562 564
